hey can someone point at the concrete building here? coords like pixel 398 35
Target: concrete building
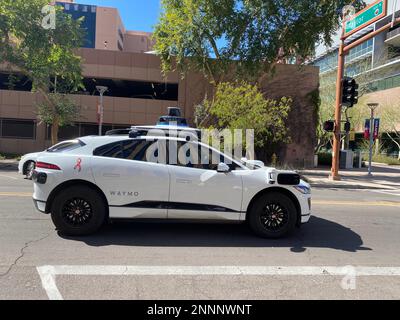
pixel 138 93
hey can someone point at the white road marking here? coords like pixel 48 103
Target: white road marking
pixel 5 176
pixel 388 192
pixel 48 273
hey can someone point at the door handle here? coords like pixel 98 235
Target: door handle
pixel 183 181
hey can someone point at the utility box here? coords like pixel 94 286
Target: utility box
pixel 346 159
pixel 357 162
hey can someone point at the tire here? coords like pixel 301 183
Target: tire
pixel 78 211
pixel 273 215
pixel 29 167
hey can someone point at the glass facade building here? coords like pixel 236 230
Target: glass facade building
pixel 88 13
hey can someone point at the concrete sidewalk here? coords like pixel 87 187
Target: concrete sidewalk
pixel 383 177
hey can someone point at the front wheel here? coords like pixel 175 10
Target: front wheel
pixel 78 211
pixel 273 215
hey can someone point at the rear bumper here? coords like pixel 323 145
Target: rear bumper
pixel 40 205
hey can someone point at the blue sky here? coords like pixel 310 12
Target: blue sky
pixel 139 15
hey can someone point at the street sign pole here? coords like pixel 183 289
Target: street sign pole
pixel 371 142
pixel 372 106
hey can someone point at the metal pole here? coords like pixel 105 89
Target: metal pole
pixel 101 114
pixel 101 90
pixel 371 141
pixel 372 106
pixel 338 113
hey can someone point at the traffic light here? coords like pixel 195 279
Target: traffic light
pixel 349 92
pixel 329 126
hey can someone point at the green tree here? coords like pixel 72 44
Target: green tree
pixel 254 33
pixel 243 106
pixel 31 46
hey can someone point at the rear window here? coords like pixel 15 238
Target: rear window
pixel 66 146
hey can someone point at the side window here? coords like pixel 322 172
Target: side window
pixel 111 150
pixel 138 150
pixel 193 155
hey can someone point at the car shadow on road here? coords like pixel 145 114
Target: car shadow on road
pixel 318 233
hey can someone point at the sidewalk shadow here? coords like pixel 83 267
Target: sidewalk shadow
pixel 318 233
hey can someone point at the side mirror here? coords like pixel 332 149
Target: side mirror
pixel 223 168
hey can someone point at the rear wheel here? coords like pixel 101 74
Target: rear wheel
pixel 78 211
pixel 273 215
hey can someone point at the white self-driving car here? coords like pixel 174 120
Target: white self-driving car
pixel 145 176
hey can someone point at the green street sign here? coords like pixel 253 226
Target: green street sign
pixel 365 17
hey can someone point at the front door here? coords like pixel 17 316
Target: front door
pixel 198 191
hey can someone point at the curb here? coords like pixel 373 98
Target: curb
pixel 8 166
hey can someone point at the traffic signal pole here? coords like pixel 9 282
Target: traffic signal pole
pixel 338 114
pixel 343 50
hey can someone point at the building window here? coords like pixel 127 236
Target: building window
pixel 116 87
pixel 85 8
pixel 66 6
pixel 133 89
pixel 15 82
pixel 76 7
pixel 18 129
pixel 83 129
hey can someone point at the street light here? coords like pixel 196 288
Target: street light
pixel 101 90
pixel 372 106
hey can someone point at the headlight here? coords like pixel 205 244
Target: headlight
pixel 303 189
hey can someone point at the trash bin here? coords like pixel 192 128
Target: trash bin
pixel 346 159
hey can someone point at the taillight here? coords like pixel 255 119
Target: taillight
pixel 45 165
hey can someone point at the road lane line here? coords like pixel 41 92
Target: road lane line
pixel 357 203
pixel 15 194
pixel 48 273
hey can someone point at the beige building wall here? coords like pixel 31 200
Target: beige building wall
pixel 109 29
pixel 137 41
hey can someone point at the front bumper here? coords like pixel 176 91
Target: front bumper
pixel 305 204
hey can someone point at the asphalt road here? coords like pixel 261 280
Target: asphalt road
pixel 359 229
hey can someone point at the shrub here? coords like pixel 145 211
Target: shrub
pixel 324 158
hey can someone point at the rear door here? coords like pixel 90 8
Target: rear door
pixel 134 181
